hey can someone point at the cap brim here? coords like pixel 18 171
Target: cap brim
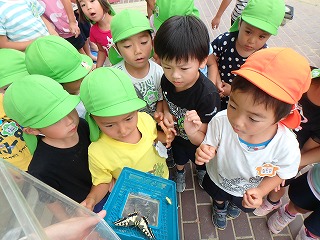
pixel 83 69
pixel 254 22
pixel 132 31
pixel 10 79
pixel 121 108
pixel 293 120
pixel 265 84
pixel 59 112
pixel 261 24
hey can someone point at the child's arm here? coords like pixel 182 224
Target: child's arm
pixel 204 154
pixel 213 71
pixel 73 26
pixel 101 56
pixel 252 198
pixel 195 129
pixel 97 193
pixel 310 156
pixel 21 46
pixel 216 20
pixel 49 26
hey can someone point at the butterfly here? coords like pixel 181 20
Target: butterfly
pixel 135 219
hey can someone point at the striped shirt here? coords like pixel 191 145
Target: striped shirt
pixel 20 20
pixel 240 5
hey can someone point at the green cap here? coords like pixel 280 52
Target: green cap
pixel 108 92
pixel 266 15
pixel 125 24
pixel 165 9
pixel 55 57
pixel 13 66
pixel 37 101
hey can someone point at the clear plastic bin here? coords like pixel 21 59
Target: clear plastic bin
pixel 28 206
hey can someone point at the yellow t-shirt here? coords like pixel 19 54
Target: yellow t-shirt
pixel 12 146
pixel 107 157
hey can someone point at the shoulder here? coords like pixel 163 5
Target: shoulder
pixel 145 119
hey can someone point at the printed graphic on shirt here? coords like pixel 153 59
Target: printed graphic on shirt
pixel 239 184
pixel 158 169
pixel 267 170
pixel 11 135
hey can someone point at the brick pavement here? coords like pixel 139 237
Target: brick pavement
pixel 301 34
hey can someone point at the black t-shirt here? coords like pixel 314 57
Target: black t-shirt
pixel 202 96
pixel 65 170
pixel 310 121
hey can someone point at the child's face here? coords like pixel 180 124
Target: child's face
pixel 63 129
pixel 122 128
pixel 136 50
pixel 72 87
pixel 250 39
pixel 92 9
pixel 182 74
pixel 251 121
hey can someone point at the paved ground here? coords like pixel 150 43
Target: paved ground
pixel 301 34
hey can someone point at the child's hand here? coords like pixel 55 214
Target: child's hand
pixel 169 132
pixel 226 89
pixel 204 154
pixel 168 120
pixel 88 203
pixel 192 122
pixel 252 198
pixel 74 29
pixel 158 116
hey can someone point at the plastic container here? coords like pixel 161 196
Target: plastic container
pixel 28 206
pixel 150 196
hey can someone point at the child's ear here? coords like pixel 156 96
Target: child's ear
pixel 31 131
pixel 203 63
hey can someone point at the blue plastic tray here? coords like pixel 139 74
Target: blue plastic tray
pixel 161 200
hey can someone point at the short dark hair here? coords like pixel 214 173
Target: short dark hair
pixel 182 38
pixel 104 4
pixel 281 109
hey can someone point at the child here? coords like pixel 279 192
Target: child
pixel 135 46
pixel 308 136
pixel 249 33
pixel 120 135
pixel 304 197
pixel 13 147
pixel 164 9
pixel 100 13
pixel 55 57
pixel 251 146
pixel 238 8
pixel 182 46
pixel 46 110
pixel 21 22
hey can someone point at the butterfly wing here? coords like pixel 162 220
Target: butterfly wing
pixel 127 221
pixel 143 226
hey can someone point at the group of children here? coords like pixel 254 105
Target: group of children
pixel 234 128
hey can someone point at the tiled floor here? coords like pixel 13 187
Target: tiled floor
pixel 302 34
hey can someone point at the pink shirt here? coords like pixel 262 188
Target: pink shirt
pixel 55 13
pixel 104 38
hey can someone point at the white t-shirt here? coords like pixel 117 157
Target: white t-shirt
pixel 234 168
pixel 147 88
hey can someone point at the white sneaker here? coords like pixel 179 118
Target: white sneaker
pixel 279 220
pixel 302 235
pixel 266 207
